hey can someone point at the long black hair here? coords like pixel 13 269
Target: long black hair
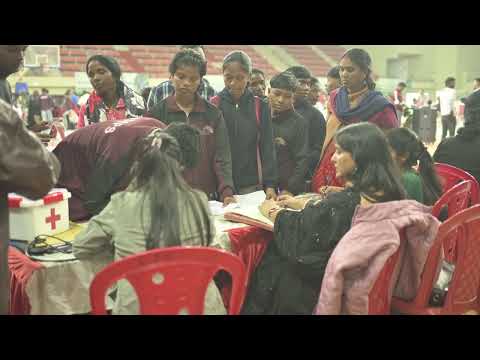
pixel 407 144
pixel 376 175
pixel 157 173
pixel 363 60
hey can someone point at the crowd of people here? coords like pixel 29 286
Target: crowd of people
pixel 141 167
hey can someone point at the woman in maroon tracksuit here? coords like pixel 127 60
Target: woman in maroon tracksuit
pixel 213 174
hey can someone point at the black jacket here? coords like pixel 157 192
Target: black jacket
pixel 292 149
pixel 289 277
pixel 461 151
pixel 316 132
pixel 242 130
pixel 472 108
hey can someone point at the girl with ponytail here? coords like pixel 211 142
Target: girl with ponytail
pixel 408 151
pixel 158 209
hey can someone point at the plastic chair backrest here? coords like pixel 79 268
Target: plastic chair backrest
pixel 457 198
pixel 463 291
pixel 464 287
pixel 380 295
pixel 171 280
pixel 452 175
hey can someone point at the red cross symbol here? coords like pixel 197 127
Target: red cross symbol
pixel 52 219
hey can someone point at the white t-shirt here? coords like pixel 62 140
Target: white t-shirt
pixel 447 99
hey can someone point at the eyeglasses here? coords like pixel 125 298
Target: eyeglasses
pixel 39 246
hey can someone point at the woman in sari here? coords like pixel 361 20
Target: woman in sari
pixel 354 102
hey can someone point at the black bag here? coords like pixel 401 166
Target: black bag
pixel 440 289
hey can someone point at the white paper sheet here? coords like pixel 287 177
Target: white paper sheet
pixel 253 199
pixel 247 205
pixel 217 208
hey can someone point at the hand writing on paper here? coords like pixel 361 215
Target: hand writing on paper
pixel 266 206
pixel 291 202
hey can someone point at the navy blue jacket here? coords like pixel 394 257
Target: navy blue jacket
pixel 242 130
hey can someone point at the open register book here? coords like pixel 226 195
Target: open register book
pixel 245 210
pixel 249 216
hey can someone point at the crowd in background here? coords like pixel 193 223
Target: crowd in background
pixel 173 147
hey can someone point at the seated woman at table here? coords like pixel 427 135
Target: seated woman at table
pixel 289 277
pixel 408 150
pixel 158 209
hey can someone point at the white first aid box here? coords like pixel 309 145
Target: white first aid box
pixel 30 218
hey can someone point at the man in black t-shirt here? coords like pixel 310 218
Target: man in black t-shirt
pixel 289 131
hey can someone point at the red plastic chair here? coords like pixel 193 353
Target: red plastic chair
pixel 457 199
pixel 452 175
pixel 171 280
pixel 380 295
pixel 463 291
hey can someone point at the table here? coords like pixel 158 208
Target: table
pixel 50 288
pixel 62 288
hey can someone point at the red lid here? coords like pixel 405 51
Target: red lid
pixel 55 195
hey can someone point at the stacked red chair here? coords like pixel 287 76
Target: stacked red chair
pixel 452 175
pixel 463 290
pixel 456 199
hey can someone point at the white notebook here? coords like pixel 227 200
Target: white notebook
pixel 246 209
